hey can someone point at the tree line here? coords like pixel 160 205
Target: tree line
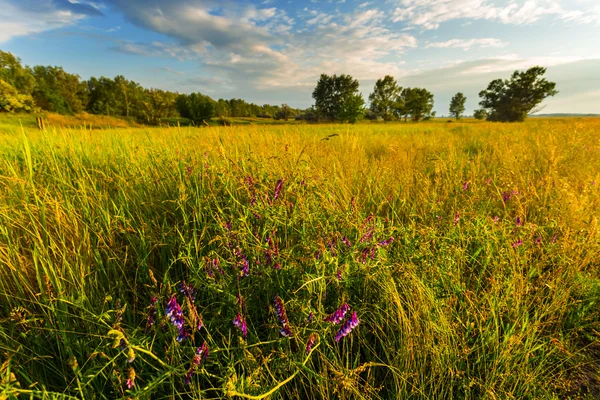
pixel 47 88
pixel 337 98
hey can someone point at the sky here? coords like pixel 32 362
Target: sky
pixel 273 51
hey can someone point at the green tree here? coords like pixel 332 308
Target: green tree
pixel 337 98
pixel 480 114
pixel 11 100
pixel 58 91
pixel 457 105
pixel 510 100
pixel 384 98
pixel 157 104
pixel 418 103
pixel 102 95
pixel 196 107
pixel 12 72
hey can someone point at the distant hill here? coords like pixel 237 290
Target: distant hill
pixel 563 115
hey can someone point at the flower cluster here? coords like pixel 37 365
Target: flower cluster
pixel 175 315
pixel 348 326
pixel 339 314
pixel 201 355
pixel 282 316
pixel 240 322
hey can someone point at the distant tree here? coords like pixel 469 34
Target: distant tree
pixel 13 101
pixel 102 97
pixel 196 107
pixel 416 102
pixel 457 105
pixel 157 104
pixel 384 98
pixel 59 91
pixel 284 112
pixel 353 108
pixel 512 99
pixel 16 85
pixel 15 74
pixel 480 114
pixel 337 98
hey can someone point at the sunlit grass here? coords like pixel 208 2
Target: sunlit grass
pixel 489 288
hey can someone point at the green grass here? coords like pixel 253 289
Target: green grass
pixel 464 303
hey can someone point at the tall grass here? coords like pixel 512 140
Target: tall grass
pixel 489 288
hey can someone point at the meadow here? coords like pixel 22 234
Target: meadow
pixel 378 261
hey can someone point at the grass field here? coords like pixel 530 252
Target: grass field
pixel 469 252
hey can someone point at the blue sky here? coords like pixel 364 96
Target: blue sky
pixel 273 51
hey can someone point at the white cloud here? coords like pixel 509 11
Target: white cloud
pixel 467 44
pixel 20 19
pixel 429 14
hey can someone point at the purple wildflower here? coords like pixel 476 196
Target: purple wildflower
pixel 538 240
pixel 368 235
pixel 346 241
pixel 310 317
pixel 151 313
pixel 348 326
pixel 240 322
pixel 176 317
pixel 282 316
pixel 201 355
pixel 456 218
pixel 338 275
pixel 278 189
pixel 188 290
pixel 318 254
pixel 517 243
pixel 386 242
pixel 271 253
pixel 518 221
pixel 338 315
pixel 496 219
pixel 465 185
pixel 310 343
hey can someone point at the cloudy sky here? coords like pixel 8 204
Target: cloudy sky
pixel 273 51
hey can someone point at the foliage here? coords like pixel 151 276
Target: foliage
pixel 384 99
pixel 196 107
pixel 13 101
pixel 469 254
pixel 512 99
pixel 58 91
pixel 337 98
pixel 14 74
pixel 457 105
pixel 157 104
pixel 416 103
pixel 480 114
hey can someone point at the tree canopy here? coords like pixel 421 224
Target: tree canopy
pixel 512 99
pixel 337 98
pixel 416 103
pixel 457 105
pixel 385 97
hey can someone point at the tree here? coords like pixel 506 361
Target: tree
pixel 416 102
pixel 283 113
pixel 384 97
pixel 457 105
pixel 480 114
pixel 13 101
pixel 196 107
pixel 337 98
pixel 15 74
pixel 157 104
pixel 353 108
pixel 512 99
pixel 59 91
